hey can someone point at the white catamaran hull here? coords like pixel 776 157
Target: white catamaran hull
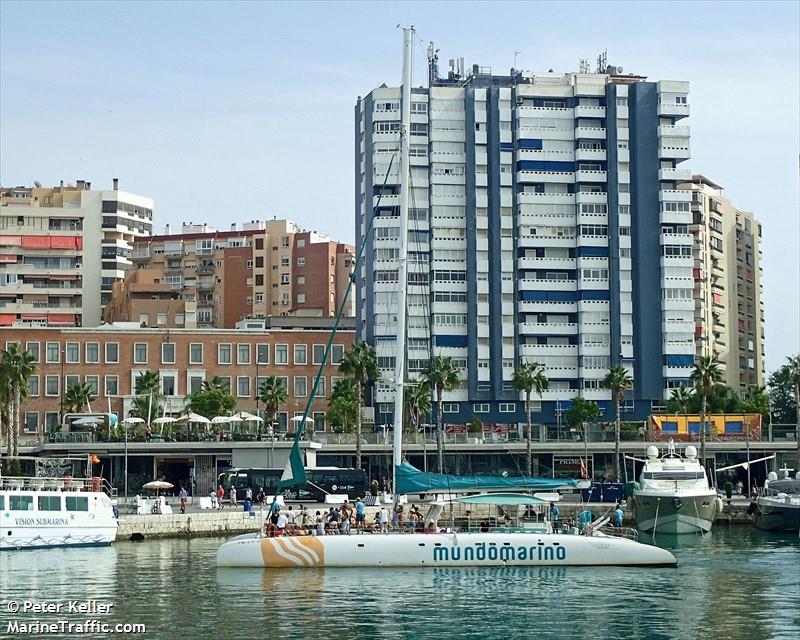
pixel 675 513
pixel 439 550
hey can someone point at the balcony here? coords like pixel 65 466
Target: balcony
pixel 562 177
pixel 674 110
pixel 546 241
pixel 591 197
pixel 586 111
pixel 675 175
pixel 549 328
pixel 533 284
pixel 675 195
pixel 529 263
pixel 590 133
pixel 582 175
pixel 674 153
pixel 672 131
pixel 530 197
pixel 590 154
pixel 675 217
pixel 548 350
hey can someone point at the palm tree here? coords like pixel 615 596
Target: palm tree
pixel 618 381
pixel 360 363
pixel 706 376
pixel 680 398
pixel 17 367
pixel 417 398
pixel 215 383
pixel 442 375
pixel 343 408
pixel 580 412
pixel 794 378
pixel 147 402
pixel 530 376
pixel 273 394
pixel 77 397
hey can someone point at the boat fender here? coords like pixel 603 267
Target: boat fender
pixel 676 502
pixel 752 508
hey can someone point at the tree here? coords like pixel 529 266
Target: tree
pixel 15 369
pixel 618 381
pixel 148 401
pixel 578 414
pixel 77 397
pixel 417 399
pixel 756 400
pixel 706 376
pixel 442 375
pixel 781 395
pixel 679 399
pixel 344 405
pixel 215 383
pixel 793 375
pixel 211 401
pixel 529 377
pixel 361 364
pixel 273 394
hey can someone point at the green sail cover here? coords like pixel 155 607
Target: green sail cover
pixel 409 479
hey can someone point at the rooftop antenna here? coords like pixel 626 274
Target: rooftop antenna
pixel 433 64
pixel 602 62
pixel 516 54
pixel 583 66
pixel 37 184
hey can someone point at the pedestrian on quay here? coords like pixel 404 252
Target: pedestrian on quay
pixel 248 495
pixel 383 520
pixel 260 495
pixel 739 488
pixel 213 495
pixel 220 496
pixel 183 496
pixel 233 497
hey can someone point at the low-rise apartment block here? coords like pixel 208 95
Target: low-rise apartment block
pixel 63 248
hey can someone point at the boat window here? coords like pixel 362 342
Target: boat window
pixel 20 503
pixel 2 503
pixel 77 503
pixel 49 503
pixel 673 475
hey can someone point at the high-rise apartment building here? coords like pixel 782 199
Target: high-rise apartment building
pixel 257 269
pixel 729 317
pixel 545 224
pixel 62 249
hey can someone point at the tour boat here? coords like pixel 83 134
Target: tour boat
pixel 42 512
pixel 437 546
pixel 778 507
pixel 673 495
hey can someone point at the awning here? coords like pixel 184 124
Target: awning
pixel 61 318
pixel 35 242
pixel 62 242
pixel 10 241
pixel 7 258
pixel 65 277
pixel 7 319
pixel 34 316
pixel 501 499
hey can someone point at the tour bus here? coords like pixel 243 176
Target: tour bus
pixel 321 482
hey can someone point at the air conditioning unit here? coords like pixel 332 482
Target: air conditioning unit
pixel 520 100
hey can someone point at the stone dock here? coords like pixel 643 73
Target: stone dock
pixel 236 521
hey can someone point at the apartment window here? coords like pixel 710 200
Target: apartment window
pixel 169 386
pixel 33 349
pixel 111 386
pixel 262 354
pixel 284 278
pixel 140 353
pixel 319 421
pixel 300 354
pixel 243 386
pixel 33 385
pixel 301 262
pixel 249 263
pixel 284 261
pixel 112 352
pixel 168 353
pixel 300 386
pixel 196 353
pixel 51 385
pixel 242 354
pixel 320 393
pixel 71 380
pixel 144 319
pixel 179 319
pixel 281 354
pixel 73 353
pixel 195 382
pixel 31 422
pixel 51 421
pixel 301 298
pixel 318 353
pixel 507 407
pixel 92 352
pixel 285 241
pixel 161 318
pixel 449 407
pixel 224 353
pixel 93 383
pixel 259 298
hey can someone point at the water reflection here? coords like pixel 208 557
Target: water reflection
pixel 736 583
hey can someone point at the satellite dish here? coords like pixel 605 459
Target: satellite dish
pixel 37 184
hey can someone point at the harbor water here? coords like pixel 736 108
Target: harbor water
pixel 736 583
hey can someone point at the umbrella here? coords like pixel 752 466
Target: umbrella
pixel 196 417
pixel 164 420
pixel 133 420
pixel 300 419
pixel 158 485
pixel 249 417
pixel 225 419
pixel 89 420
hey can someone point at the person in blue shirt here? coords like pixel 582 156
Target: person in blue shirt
pixel 361 511
pixel 554 516
pixel 618 515
pixel 584 519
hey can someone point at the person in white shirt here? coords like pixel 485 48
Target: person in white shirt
pixel 383 520
pixel 290 519
pixel 281 525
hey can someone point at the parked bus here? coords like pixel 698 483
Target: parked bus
pixel 321 482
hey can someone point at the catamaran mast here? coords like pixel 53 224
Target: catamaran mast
pixel 402 278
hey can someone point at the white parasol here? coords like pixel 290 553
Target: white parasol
pixel 300 419
pixel 196 417
pixel 133 420
pixel 164 420
pixel 249 417
pixel 158 485
pixel 89 420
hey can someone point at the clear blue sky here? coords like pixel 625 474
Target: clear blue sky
pixel 234 111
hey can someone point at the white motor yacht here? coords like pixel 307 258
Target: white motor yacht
pixel 674 495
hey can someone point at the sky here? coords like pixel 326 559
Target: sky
pixel 229 112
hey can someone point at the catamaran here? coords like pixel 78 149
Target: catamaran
pixel 434 545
